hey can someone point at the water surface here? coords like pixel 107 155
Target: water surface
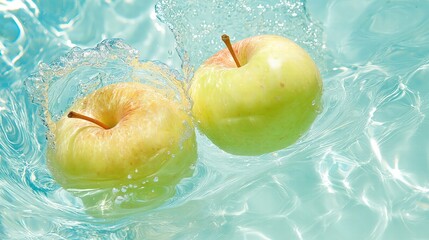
pixel 360 172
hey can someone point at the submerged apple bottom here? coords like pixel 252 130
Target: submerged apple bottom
pixel 129 195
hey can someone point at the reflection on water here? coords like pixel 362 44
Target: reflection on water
pixel 359 173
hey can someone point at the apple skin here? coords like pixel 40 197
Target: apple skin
pixel 135 164
pixel 263 106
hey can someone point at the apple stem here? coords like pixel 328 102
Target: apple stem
pixel 80 116
pixel 225 39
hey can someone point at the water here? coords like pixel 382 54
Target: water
pixel 359 173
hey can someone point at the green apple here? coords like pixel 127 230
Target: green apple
pixel 264 105
pixel 139 146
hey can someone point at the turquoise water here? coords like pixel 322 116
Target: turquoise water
pixel 360 172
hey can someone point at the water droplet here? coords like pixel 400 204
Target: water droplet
pixel 129 176
pixel 155 179
pixel 119 200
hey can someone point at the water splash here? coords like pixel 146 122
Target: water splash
pixel 81 71
pixel 198 26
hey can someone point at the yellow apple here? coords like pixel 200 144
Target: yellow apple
pixel 140 144
pixel 265 104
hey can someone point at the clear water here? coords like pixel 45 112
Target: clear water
pixel 361 172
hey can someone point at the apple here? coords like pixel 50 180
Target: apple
pixel 260 100
pixel 122 147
